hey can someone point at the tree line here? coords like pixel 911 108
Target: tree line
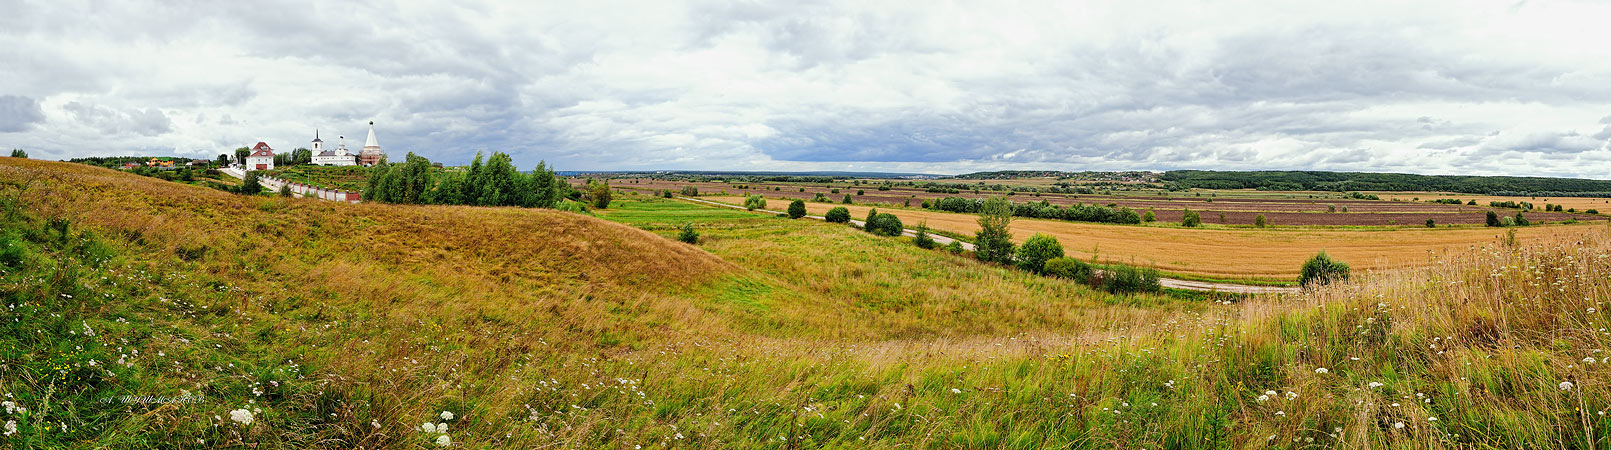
pixel 1361 181
pixel 1043 210
pixel 494 183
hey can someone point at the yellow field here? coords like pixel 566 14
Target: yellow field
pixel 1581 203
pixel 1270 254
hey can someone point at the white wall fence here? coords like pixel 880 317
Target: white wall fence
pixel 300 189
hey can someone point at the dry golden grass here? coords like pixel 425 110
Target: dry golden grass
pixel 1273 253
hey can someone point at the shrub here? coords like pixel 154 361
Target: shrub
pixel 1322 270
pixel 797 209
pixel 819 198
pixel 923 240
pixel 838 214
pixel 1259 221
pixel 688 234
pixel 249 185
pixel 885 224
pixel 690 191
pixel 1068 268
pixel 285 190
pixel 1592 211
pixel 598 194
pixel 1493 219
pixel 835 191
pixel 1120 279
pixel 861 192
pixel 872 213
pixel 1431 223
pixel 754 202
pixel 846 200
pixel 18 153
pixel 1191 219
pixel 569 205
pixel 1507 221
pixel 1032 256
pixel 993 242
pixel 955 247
pixel 666 193
pixel 1331 208
pixel 1149 217
pixel 1521 221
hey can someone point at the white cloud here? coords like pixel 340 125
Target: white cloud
pixel 831 85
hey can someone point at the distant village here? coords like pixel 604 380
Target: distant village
pixel 263 156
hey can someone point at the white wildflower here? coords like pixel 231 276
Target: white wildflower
pixel 428 427
pixel 441 427
pixel 374 423
pixel 1566 385
pixel 1322 370
pixel 1374 385
pixel 956 391
pixel 241 416
pixel 1588 360
pixel 1398 425
pixel 11 407
pixel 447 415
pixel 1432 419
pixel 1281 413
pixel 1264 398
pixel 444 441
pixel 11 427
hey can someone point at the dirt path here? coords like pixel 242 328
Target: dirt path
pixel 1171 283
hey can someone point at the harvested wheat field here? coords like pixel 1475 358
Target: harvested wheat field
pixel 1268 254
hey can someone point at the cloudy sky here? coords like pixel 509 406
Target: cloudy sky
pixel 1459 87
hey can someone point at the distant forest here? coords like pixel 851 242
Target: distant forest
pixel 1360 181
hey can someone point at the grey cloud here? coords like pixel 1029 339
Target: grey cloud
pixel 146 122
pixel 18 113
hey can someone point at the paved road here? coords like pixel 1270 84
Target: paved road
pixel 1172 283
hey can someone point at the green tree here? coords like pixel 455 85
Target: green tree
pixel 241 154
pixel 375 187
pixel 872 213
pixel 249 184
pixel 838 214
pixel 414 180
pixel 754 202
pixel 1492 219
pixel 474 180
pixel 1149 217
pixel 797 209
pixel 449 190
pixel 846 200
pixel 885 224
pixel 993 242
pixel 1521 221
pixel 687 234
pixel 546 188
pixel 1038 249
pixel 1191 218
pixel 498 181
pixel 1260 221
pixel 223 159
pixel 598 194
pixel 18 153
pixel 1321 270
pixel 285 190
pixel 922 238
pixel 1431 223
pixel 301 156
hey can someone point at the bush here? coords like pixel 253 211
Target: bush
pixel 819 198
pixel 249 185
pixel 885 224
pixel 1149 217
pixel 1592 211
pixel 569 205
pixel 690 191
pixel 18 153
pixel 1322 270
pixel 1431 223
pixel 285 190
pixel 797 209
pixel 861 192
pixel 666 193
pixel 846 200
pixel 754 202
pixel 1507 221
pixel 838 214
pixel 1068 268
pixel 1032 256
pixel 598 194
pixel 1521 221
pixel 1259 221
pixel 688 234
pixel 872 213
pixel 955 247
pixel 1191 219
pixel 923 240
pixel 1120 279
pixel 1493 219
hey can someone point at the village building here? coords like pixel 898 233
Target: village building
pixel 262 158
pixel 371 153
pixel 337 157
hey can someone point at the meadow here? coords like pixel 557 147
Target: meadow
pixel 295 323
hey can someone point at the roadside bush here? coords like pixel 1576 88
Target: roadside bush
pixel 872 213
pixel 249 185
pixel 885 224
pixel 955 247
pixel 1121 279
pixel 923 240
pixel 754 202
pixel 1068 268
pixel 285 190
pixel 1259 221
pixel 1322 270
pixel 838 214
pixel 1191 219
pixel 690 191
pixel 1032 256
pixel 688 234
pixel 993 242
pixel 797 209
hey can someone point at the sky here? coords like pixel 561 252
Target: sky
pixel 1435 87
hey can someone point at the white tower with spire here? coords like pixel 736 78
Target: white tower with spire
pixel 337 157
pixel 371 153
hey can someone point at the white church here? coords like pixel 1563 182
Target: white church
pixel 341 157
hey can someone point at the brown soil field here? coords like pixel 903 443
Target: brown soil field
pixel 1581 203
pixel 1299 210
pixel 1269 254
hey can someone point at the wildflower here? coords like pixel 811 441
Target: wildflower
pixel 11 427
pixel 444 441
pixel 1591 310
pixel 1398 425
pixel 1566 385
pixel 1292 395
pixel 1432 419
pixel 1269 392
pixel 956 391
pixel 441 427
pixel 241 416
pixel 11 407
pixel 1588 360
pixel 374 423
pixel 447 415
pixel 1322 370
pixel 1264 398
pixel 1374 385
pixel 1281 413
pixel 428 427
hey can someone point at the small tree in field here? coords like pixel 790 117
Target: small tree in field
pixel 1191 219
pixel 687 234
pixel 1149 217
pixel 1431 223
pixel 18 153
pixel 1322 270
pixel 872 213
pixel 838 214
pixel 754 202
pixel 1260 221
pixel 993 242
pixel 1493 219
pixel 249 185
pixel 797 209
pixel 598 193
pixel 885 224
pixel 285 190
pixel 690 191
pixel 922 239
pixel 846 200
pixel 1038 249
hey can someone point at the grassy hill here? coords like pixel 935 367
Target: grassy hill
pixel 349 326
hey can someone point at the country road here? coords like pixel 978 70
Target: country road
pixel 1173 283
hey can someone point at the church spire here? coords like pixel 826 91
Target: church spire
pixel 371 142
